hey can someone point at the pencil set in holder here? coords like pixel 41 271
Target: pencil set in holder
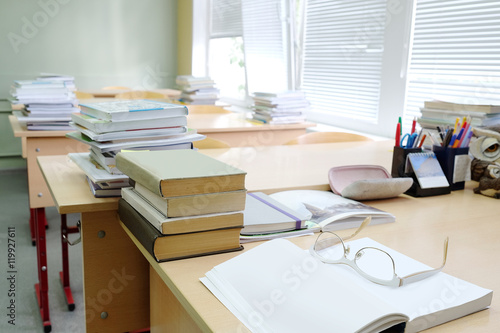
pixel 455 163
pixel 399 158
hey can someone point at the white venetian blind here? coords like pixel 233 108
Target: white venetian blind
pixel 343 48
pixel 455 53
pixel 266 44
pixel 226 19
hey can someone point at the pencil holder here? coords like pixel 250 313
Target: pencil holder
pixel 399 160
pixel 455 163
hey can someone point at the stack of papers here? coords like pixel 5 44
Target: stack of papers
pixel 114 126
pixel 48 101
pixel 286 107
pixel 197 90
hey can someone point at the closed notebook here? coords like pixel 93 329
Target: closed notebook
pixel 180 225
pixel 180 172
pixel 264 214
pixel 196 204
pixel 173 247
pixel 135 109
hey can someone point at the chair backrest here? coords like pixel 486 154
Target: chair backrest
pixel 210 143
pixel 197 109
pixel 116 88
pixel 139 94
pixel 83 95
pixel 325 137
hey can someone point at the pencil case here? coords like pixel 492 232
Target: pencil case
pixel 366 182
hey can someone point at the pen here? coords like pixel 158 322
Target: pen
pixel 459 137
pixel 422 141
pixel 400 126
pixel 413 125
pixel 398 134
pixel 456 125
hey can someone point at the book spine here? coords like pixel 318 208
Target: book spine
pixel 145 233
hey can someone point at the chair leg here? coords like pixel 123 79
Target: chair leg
pixel 64 274
pixel 42 287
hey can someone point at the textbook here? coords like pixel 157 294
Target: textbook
pixel 482 106
pixel 264 214
pixel 179 246
pixel 279 287
pixel 100 126
pixel 196 204
pixel 135 109
pixel 180 172
pixel 331 211
pixel 94 171
pixel 180 225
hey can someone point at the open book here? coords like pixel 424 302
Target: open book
pixel 278 287
pixel 329 210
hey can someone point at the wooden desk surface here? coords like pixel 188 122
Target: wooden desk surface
pixel 229 122
pixel 470 220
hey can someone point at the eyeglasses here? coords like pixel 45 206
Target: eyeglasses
pixel 372 263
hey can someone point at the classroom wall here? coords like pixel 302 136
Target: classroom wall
pixel 100 42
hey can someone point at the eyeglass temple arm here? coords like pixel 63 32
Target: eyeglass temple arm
pixel 363 224
pixel 425 274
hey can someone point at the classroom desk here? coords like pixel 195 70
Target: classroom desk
pixel 237 131
pixel 179 302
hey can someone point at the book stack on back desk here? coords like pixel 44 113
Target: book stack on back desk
pixel 48 102
pixel 112 126
pixel 182 203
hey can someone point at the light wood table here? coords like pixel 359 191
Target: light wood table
pixel 180 303
pixel 237 131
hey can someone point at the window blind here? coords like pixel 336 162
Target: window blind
pixel 226 19
pixel 266 44
pixel 343 49
pixel 455 53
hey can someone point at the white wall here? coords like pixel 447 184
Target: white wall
pixel 100 42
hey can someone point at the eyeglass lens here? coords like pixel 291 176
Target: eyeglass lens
pixel 373 262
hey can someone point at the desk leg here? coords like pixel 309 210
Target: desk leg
pixel 42 287
pixel 64 274
pixel 41 215
pixel 115 276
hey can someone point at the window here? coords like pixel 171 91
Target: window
pixel 455 53
pixel 249 47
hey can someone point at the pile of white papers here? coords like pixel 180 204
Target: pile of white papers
pixel 197 90
pixel 286 107
pixel 48 101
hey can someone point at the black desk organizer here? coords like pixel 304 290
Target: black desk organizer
pixel 398 170
pixel 446 157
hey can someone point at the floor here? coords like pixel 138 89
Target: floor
pixel 14 229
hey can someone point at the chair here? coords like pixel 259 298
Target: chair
pixel 139 94
pixel 210 143
pixel 83 95
pixel 116 88
pixel 325 137
pixel 199 109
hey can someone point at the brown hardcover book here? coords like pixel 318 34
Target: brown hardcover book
pixel 180 225
pixel 171 173
pixel 196 204
pixel 181 246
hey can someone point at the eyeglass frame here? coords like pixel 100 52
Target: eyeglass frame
pixel 396 280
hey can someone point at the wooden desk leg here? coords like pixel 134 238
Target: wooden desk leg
pixel 41 215
pixel 64 274
pixel 115 276
pixel 42 287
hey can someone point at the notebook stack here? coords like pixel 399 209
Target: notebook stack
pixel 182 204
pixel 436 113
pixel 112 126
pixel 47 101
pixel 197 90
pixel 287 107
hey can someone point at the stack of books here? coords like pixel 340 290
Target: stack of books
pixel 197 90
pixel 182 203
pixel 437 113
pixel 287 107
pixel 47 101
pixel 113 126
